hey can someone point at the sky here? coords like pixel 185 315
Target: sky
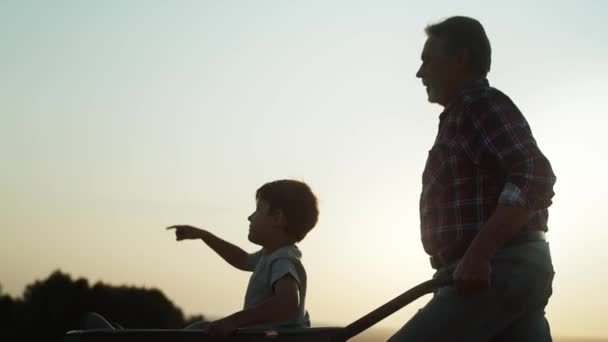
pixel 120 118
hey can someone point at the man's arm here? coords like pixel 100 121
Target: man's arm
pixel 499 138
pixel 233 255
pixel 281 306
pixel 504 224
pixel 498 132
pixel 473 271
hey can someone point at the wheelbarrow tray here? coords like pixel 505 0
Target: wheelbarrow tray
pixel 321 334
pixel 181 335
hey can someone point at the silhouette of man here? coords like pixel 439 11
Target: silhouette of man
pixel 486 188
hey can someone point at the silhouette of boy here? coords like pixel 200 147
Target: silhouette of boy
pixel 286 210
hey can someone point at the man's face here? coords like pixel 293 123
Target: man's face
pixel 441 71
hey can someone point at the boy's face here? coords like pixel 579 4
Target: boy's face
pixel 265 225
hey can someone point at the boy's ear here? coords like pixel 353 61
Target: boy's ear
pixel 279 217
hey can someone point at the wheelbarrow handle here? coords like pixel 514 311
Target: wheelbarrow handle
pixel 393 306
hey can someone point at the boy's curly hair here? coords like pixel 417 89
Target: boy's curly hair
pixel 295 200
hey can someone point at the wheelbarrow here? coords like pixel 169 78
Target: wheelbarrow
pixel 320 334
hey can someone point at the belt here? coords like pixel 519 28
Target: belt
pixel 452 254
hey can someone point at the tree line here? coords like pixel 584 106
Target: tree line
pixel 51 307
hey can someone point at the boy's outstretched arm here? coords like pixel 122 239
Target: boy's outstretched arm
pixel 233 255
pixel 281 306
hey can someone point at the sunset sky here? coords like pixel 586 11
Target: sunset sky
pixel 120 118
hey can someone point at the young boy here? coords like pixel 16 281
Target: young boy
pixel 286 210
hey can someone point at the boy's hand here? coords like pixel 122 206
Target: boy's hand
pixel 221 328
pixel 183 232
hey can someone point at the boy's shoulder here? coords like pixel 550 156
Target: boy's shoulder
pixel 288 251
pixel 261 258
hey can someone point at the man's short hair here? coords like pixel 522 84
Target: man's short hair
pixel 465 33
pixel 296 201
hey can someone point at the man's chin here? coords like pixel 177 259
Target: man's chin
pixel 433 99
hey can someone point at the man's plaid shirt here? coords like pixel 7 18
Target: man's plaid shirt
pixel 484 154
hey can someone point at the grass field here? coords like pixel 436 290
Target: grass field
pixel 376 335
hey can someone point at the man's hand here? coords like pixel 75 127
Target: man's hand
pixel 221 329
pixel 472 275
pixel 183 232
pixel 473 271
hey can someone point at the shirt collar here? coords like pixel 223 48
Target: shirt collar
pixel 467 87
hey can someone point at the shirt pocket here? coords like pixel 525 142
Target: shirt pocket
pixel 442 167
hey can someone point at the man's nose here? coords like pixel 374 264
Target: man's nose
pixel 419 72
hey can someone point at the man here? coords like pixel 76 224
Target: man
pixel 483 208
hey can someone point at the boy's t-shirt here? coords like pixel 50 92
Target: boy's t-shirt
pixel 267 269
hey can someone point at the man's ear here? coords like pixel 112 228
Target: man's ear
pixel 463 58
